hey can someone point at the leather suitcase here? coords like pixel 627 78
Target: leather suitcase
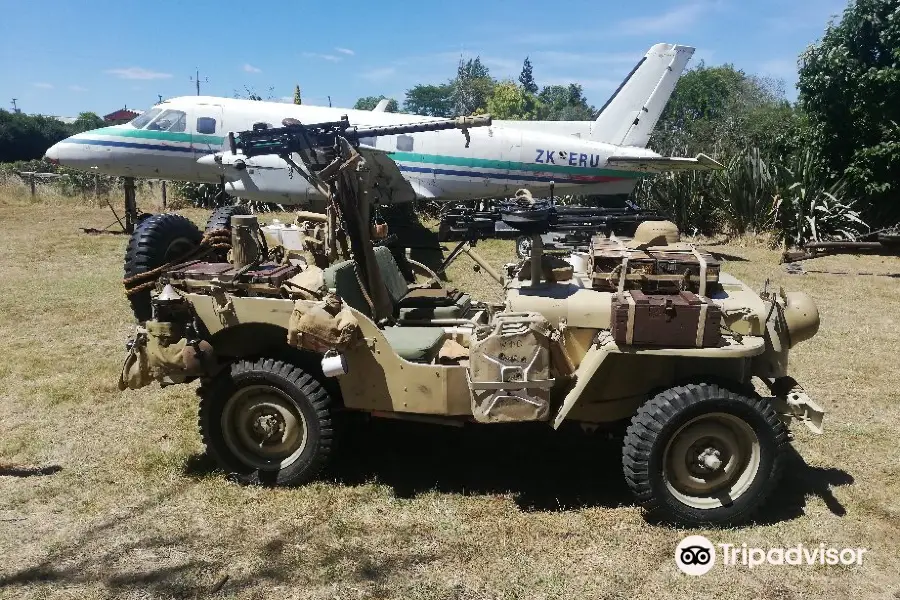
pixel 683 320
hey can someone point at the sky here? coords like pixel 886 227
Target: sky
pixel 59 57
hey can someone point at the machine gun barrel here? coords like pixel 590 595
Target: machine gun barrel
pixel 322 137
pixel 457 123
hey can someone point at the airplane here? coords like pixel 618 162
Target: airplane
pixel 185 139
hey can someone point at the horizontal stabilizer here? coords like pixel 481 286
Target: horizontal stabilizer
pixel 661 164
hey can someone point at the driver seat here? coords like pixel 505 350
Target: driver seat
pixel 415 344
pixel 418 304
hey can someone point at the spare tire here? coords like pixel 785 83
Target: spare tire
pixel 156 241
pixel 221 217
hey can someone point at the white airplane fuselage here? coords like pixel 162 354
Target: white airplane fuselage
pixel 176 138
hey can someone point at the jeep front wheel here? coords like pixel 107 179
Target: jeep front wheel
pixel 702 454
pixel 267 422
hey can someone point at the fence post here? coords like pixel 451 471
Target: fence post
pixel 163 188
pixel 96 185
pixel 31 182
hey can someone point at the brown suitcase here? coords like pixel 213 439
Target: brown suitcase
pixel 683 320
pixel 655 270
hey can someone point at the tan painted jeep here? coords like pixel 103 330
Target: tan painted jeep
pixel 281 346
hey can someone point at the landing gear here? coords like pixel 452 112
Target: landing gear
pixel 267 422
pixel 701 454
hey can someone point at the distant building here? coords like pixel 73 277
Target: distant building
pixel 121 116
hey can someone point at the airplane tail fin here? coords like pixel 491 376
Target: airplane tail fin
pixel 631 113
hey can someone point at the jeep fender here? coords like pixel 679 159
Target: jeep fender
pixel 586 370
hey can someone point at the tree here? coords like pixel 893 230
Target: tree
pixel 850 89
pixel 526 78
pixel 27 137
pixel 87 121
pixel 251 94
pixel 297 99
pixel 472 87
pixel 510 101
pixel 564 103
pixel 370 102
pixel 723 111
pixel 430 100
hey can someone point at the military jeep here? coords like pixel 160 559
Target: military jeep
pixel 281 343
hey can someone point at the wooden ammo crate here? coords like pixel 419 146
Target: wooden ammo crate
pixel 666 269
pixel 683 320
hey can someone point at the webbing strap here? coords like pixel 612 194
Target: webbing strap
pixel 629 330
pixel 702 261
pixel 701 326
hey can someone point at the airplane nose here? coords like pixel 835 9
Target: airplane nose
pixel 52 154
pixel 71 152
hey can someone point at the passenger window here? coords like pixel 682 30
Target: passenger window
pixel 170 120
pixel 206 125
pixel 404 143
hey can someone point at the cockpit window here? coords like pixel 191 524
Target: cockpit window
pixel 170 120
pixel 142 119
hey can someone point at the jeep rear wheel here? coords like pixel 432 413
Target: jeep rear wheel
pixel 267 421
pixel 702 454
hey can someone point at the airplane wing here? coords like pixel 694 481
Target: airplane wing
pixel 382 105
pixel 390 185
pixel 661 164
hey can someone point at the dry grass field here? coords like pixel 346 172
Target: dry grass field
pixel 107 494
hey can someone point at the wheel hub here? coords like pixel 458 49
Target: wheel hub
pixel 263 427
pixel 269 425
pixel 711 460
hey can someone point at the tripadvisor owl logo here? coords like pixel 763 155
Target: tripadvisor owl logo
pixel 695 555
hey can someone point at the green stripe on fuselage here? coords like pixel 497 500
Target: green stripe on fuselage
pixel 162 136
pixel 483 163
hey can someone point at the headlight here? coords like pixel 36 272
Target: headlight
pixel 800 315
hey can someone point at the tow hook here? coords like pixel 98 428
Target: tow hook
pixel 793 402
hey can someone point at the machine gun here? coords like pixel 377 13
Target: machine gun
pixel 317 144
pixel 331 156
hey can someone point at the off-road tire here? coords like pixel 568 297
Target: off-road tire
pixel 306 393
pixel 663 416
pixel 221 219
pixel 157 240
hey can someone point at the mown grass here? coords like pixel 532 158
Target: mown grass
pixel 407 511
